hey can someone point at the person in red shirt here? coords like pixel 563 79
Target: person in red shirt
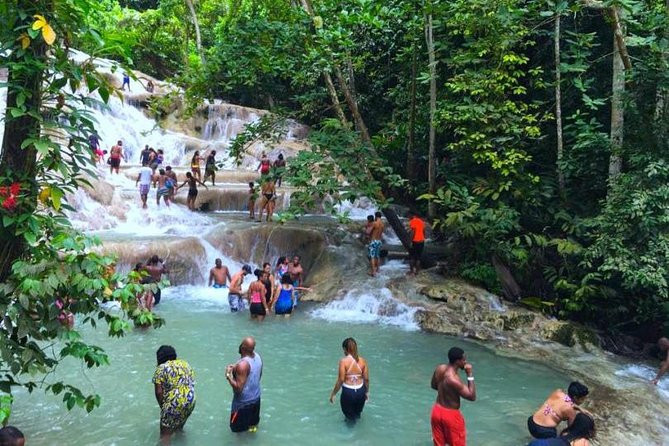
pixel 417 230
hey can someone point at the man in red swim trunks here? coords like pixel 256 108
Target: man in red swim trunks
pixel 448 425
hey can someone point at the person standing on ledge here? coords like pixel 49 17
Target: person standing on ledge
pixel 448 424
pixel 417 230
pixel 374 247
pixel 353 379
pixel 219 275
pixel 115 155
pixel 280 167
pixel 244 378
pixel 144 180
pixel 210 168
pixel 663 344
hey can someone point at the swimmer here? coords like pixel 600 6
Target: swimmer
pixel 235 294
pixel 219 275
pixel 578 434
pixel 663 344
pixel 448 424
pixel 558 407
pixel 353 379
pixel 256 293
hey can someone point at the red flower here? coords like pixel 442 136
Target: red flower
pixel 4 191
pixel 15 188
pixel 9 203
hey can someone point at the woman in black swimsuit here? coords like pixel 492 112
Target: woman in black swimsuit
pixel 192 189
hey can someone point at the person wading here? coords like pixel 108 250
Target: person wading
pixel 448 424
pixel 235 294
pixel 353 379
pixel 244 378
pixel 374 247
pixel 219 275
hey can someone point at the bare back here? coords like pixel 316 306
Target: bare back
pixel 448 385
pixel 377 229
pixel 236 283
pixel 354 371
pixel 557 408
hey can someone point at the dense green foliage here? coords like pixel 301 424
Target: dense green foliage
pixel 587 242
pixel 49 273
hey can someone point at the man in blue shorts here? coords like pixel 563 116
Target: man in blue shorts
pixel 374 247
pixel 219 275
pixel 235 294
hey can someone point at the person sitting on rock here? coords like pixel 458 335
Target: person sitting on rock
pixel 557 408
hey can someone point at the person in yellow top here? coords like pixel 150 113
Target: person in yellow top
pixel 417 230
pixel 174 383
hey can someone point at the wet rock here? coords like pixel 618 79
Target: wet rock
pixel 99 190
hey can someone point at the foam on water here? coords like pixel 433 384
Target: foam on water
pixel 642 374
pixel 374 306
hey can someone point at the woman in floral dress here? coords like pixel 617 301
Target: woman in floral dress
pixel 174 383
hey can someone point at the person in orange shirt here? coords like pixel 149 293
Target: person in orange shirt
pixel 417 230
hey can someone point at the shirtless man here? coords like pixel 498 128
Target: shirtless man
pixel 374 247
pixel 219 275
pixel 235 293
pixel 558 407
pixel 663 343
pixel 268 193
pixel 296 272
pixel 448 425
pixel 156 268
pixel 172 176
pixel 163 190
pixel 115 156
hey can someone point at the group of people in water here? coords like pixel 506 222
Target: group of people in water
pixel 273 290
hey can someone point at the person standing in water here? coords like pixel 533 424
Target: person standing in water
pixel 244 378
pixel 663 344
pixel 144 156
pixel 219 275
pixel 156 268
pixel 296 273
pixel 210 168
pixel 126 81
pixel 256 292
pixel 268 199
pixel 353 379
pixel 172 181
pixel 115 155
pixel 280 168
pixel 374 247
pixel 448 424
pixel 235 294
pixel 417 230
pixel 558 407
pixel 162 191
pixel 578 434
pixel 192 189
pixel 253 196
pixel 195 165
pixel 144 180
pixel 174 385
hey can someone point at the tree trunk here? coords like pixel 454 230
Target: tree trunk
pixel 411 134
pixel 510 287
pixel 16 163
pixel 617 113
pixel 198 39
pixel 558 106
pixel 353 106
pixel 432 165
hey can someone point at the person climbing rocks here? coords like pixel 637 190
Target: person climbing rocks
pixel 115 155
pixel 156 268
pixel 663 344
pixel 210 168
pixel 244 379
pixel 144 156
pixel 149 86
pixel 163 190
pixel 268 200
pixel 219 275
pixel 144 180
pixel 374 247
pixel 417 231
pixel 192 183
pixel 172 182
pixel 559 406
pixel 448 424
pixel 126 81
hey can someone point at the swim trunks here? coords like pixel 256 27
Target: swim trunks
pixel 374 249
pixel 245 417
pixel 144 189
pixel 416 251
pixel 163 191
pixel 115 162
pixel 550 442
pixel 448 426
pixel 236 302
pixel 192 193
pixel 352 401
pixel 539 431
pixel 257 309
pixel 218 285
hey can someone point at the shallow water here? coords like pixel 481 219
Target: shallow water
pixel 300 356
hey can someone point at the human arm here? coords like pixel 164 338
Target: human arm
pixel 365 375
pixel 138 177
pixel 205 186
pixel 341 376
pixel 303 288
pixel 437 376
pixel 158 391
pixel 211 277
pixel 237 375
pixel 468 392
pixel 664 368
